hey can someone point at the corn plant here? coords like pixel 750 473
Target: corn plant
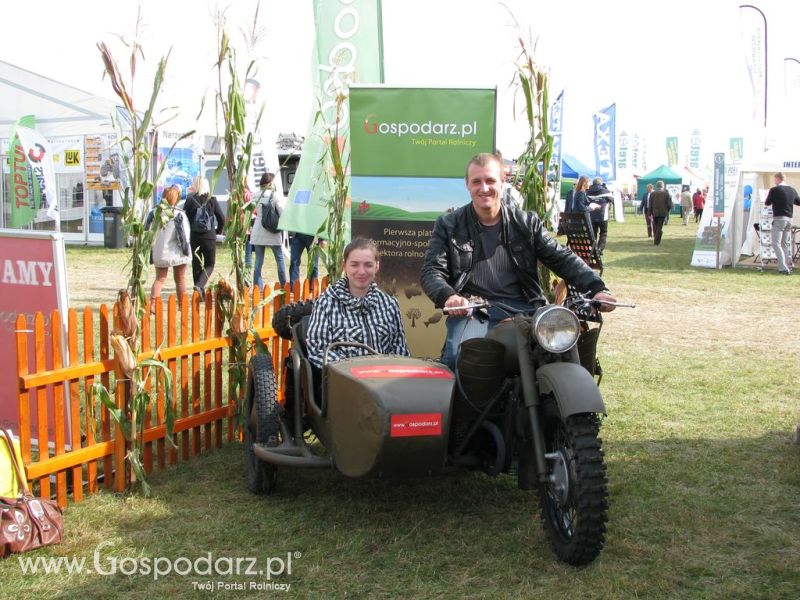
pixel 137 147
pixel 335 166
pixel 237 143
pixel 531 81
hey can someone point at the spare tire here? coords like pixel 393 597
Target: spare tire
pixel 286 316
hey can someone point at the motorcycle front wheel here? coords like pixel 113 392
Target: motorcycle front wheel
pixel 573 501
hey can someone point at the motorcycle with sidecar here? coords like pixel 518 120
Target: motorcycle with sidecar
pixel 523 401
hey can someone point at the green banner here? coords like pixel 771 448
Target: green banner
pixel 410 147
pixel 24 196
pixel 736 149
pixel 348 48
pixel 419 132
pixel 672 151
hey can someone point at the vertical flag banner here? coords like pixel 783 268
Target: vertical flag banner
pixel 719 184
pixel 622 159
pixel 348 49
pixel 37 151
pixel 409 150
pixel 23 197
pixel 556 129
pixel 724 190
pixel 672 151
pixel 695 141
pixel 605 146
pixel 754 41
pixel 635 152
pixel 736 148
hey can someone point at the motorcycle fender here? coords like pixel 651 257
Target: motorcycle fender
pixel 574 389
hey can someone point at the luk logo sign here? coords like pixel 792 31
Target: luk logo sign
pixel 72 158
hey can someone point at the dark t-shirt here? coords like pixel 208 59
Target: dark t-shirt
pixel 493 275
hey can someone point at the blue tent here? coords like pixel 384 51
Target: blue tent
pixel 572 168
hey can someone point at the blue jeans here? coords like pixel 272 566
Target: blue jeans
pixel 249 249
pixel 461 329
pixel 300 242
pixel 277 252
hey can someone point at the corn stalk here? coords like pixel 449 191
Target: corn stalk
pixel 137 148
pixel 336 169
pixel 237 144
pixel 531 81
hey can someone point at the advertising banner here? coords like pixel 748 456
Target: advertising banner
pixel 348 49
pixel 32 279
pixel 754 40
pixel 104 169
pixel 695 141
pixel 556 130
pixel 710 231
pixel 24 196
pixel 605 144
pixel 622 158
pixel 672 151
pixel 183 162
pixel 736 149
pixel 410 147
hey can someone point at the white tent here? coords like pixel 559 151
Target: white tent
pixel 738 235
pixel 758 174
pixel 60 109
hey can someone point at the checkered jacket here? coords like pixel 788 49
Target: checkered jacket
pixel 338 316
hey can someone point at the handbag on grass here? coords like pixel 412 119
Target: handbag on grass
pixel 27 523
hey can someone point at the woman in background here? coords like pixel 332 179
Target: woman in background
pixel 170 246
pixel 206 220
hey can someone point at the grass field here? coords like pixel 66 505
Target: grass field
pixel 701 386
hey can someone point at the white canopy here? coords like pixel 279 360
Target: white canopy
pixel 60 109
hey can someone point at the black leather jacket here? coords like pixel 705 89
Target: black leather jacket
pixel 448 260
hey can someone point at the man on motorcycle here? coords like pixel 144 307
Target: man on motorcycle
pixel 491 250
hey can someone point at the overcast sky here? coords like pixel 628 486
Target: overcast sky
pixel 671 67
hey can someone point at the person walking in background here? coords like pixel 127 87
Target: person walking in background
pixel 577 201
pixel 264 235
pixel 170 246
pixel 206 220
pixel 302 242
pixel 699 203
pixel 781 198
pixel 686 204
pixel 660 205
pixel 648 214
pixel 599 197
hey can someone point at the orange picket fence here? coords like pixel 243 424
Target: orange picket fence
pixel 75 446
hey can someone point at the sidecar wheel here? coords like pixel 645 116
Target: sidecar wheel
pixel 262 425
pixel 574 502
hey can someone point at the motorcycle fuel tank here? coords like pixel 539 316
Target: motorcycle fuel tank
pixel 388 415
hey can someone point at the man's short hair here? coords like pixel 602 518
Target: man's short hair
pixel 482 160
pixel 780 175
pixel 597 181
pixel 659 185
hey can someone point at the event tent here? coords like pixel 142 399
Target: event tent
pixel 60 109
pixel 572 168
pixel 671 179
pixel 758 173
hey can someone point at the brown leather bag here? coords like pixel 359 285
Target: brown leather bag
pixel 26 522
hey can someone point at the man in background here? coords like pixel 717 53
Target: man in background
pixel 781 198
pixel 660 205
pixel 648 216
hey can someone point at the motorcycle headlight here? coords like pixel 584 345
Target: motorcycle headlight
pixel 556 328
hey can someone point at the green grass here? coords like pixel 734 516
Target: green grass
pixel 704 481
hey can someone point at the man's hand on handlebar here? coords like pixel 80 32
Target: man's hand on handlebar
pixel 601 298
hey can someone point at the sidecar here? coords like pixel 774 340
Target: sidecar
pixel 373 415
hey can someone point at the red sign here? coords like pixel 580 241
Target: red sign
pixel 416 425
pixel 400 371
pixel 32 279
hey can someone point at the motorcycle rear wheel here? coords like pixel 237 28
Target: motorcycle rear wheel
pixel 262 425
pixel 574 505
